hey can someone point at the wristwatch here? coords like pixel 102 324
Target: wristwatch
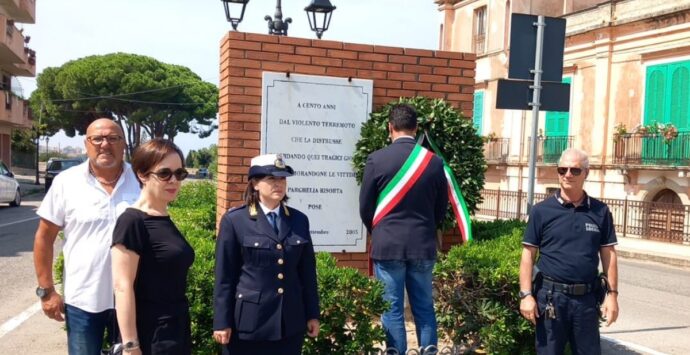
pixel 524 294
pixel 44 292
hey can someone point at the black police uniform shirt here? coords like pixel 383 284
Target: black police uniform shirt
pixel 265 285
pixel 569 238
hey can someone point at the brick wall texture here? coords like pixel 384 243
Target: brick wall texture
pixel 396 72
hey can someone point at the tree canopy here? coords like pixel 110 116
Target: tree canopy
pixel 146 97
pixel 201 158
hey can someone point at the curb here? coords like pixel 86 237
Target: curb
pixel 664 259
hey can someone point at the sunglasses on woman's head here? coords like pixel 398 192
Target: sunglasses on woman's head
pixel 564 170
pixel 166 174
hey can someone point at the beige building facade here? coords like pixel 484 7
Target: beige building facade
pixel 16 59
pixel 628 63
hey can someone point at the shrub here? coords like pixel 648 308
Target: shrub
pixel 482 230
pixel 194 213
pixel 196 194
pixel 477 286
pixel 200 291
pixel 350 303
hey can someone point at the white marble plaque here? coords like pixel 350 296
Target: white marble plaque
pixel 315 122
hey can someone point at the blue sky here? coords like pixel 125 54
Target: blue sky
pixel 188 32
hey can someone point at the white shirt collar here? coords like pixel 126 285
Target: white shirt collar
pixel 266 210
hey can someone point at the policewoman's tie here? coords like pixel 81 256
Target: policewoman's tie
pixel 272 216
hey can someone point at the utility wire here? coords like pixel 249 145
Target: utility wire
pixel 118 95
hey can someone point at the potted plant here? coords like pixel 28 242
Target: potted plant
pixel 491 137
pixel 619 131
pixel 670 132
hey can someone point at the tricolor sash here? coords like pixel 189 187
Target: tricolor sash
pixel 404 179
pixel 462 213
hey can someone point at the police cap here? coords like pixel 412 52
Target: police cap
pixel 269 164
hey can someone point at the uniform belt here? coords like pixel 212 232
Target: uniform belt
pixel 568 289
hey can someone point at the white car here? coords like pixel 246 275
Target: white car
pixel 9 187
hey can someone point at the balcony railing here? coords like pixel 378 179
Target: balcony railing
pixel 496 150
pixel 549 148
pixel 648 220
pixel 651 150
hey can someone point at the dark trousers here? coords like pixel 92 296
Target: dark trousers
pixel 577 323
pixel 164 333
pixel 287 346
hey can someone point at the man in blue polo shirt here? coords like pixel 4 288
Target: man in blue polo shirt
pixel 571 230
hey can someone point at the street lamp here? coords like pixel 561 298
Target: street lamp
pixel 234 21
pixel 323 9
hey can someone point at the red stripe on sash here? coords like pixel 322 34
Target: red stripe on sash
pixel 399 196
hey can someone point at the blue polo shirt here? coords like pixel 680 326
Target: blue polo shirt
pixel 569 238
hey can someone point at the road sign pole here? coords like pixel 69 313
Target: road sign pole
pixel 536 102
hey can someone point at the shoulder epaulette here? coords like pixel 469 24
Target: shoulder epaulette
pixel 237 208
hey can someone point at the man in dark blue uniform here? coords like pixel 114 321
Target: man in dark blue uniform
pixel 571 231
pixel 401 205
pixel 265 295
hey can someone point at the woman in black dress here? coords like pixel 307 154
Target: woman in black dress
pixel 151 258
pixel 265 296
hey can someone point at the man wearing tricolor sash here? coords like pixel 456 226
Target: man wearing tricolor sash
pixel 403 200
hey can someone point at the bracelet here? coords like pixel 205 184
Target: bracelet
pixel 130 345
pixel 613 291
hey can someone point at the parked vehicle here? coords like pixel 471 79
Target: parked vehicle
pixel 9 187
pixel 202 173
pixel 56 166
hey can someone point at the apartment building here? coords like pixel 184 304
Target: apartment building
pixel 16 59
pixel 628 63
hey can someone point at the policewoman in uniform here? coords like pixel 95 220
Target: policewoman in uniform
pixel 265 296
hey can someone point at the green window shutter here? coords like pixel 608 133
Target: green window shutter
pixel 655 94
pixel 478 111
pixel 557 123
pixel 679 110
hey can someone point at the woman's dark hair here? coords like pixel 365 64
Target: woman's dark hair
pixel 251 196
pixel 150 154
pixel 403 117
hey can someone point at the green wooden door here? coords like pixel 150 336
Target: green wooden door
pixel 478 111
pixel 556 133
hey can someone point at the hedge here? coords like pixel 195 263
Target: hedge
pixel 476 291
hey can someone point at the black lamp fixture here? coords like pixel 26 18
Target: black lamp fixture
pixel 318 12
pixel 325 9
pixel 234 21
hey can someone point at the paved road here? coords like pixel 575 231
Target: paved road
pixel 655 307
pixel 38 334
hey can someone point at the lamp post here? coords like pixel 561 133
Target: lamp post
pixel 319 14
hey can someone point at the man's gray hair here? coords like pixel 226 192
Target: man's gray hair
pixel 579 154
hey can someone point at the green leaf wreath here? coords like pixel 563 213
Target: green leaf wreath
pixel 455 135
